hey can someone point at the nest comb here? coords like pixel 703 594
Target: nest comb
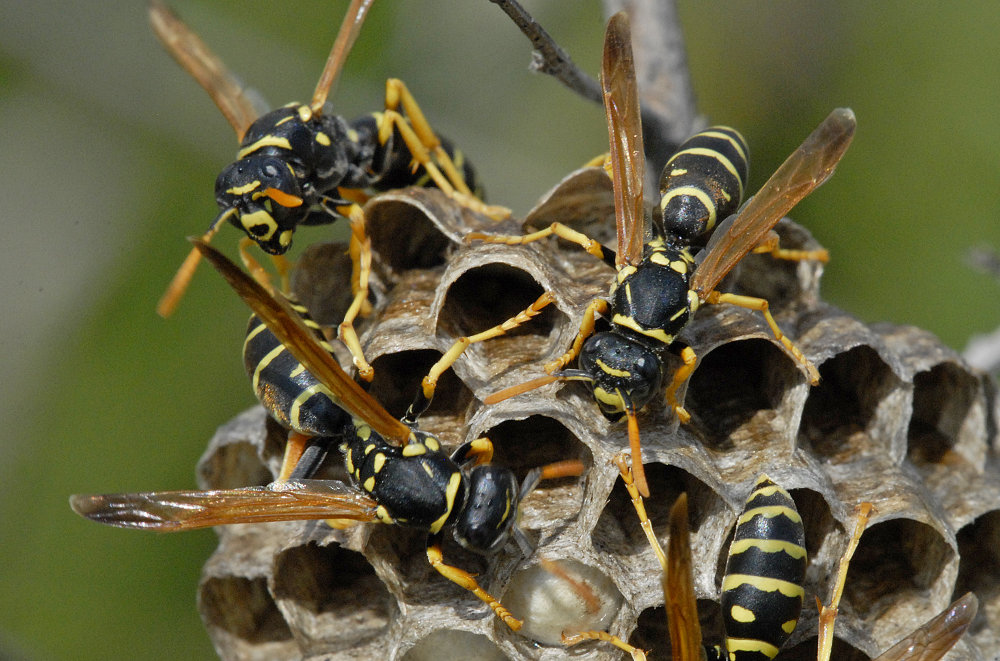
pixel 898 420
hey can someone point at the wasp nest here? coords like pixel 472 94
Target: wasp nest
pixel 897 420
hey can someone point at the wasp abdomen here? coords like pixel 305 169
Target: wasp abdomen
pixel 703 182
pixel 762 589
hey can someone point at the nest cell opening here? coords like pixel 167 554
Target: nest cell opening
pixel 942 399
pixel 979 572
pixel 489 295
pixel 336 589
pixel 569 596
pixel 618 530
pixel 823 543
pixel 244 608
pixel 651 631
pixel 403 237
pixel 839 419
pixel 806 651
pixel 398 379
pixel 897 564
pixel 453 644
pixel 736 391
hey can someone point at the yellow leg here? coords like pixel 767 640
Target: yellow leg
pixel 761 305
pixel 640 509
pixel 429 383
pixel 572 639
pixel 421 140
pixel 771 245
pixel 361 257
pixel 828 614
pixel 680 376
pixel 294 448
pixel 467 581
pixel 560 230
pixel 596 307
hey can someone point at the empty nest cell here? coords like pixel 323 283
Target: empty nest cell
pixel 979 571
pixel 243 608
pixel 942 404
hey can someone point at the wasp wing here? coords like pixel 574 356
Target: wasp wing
pixel 301 342
pixel 205 67
pixel 938 635
pixel 678 588
pixel 349 30
pixel 808 167
pixel 172 511
pixel 628 163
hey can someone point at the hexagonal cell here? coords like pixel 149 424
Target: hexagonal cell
pixel 841 419
pixel 243 608
pixel 897 564
pixel 618 530
pixel 738 396
pixel 394 217
pixel 326 589
pixel 453 644
pixel 564 595
pixel 398 380
pixel 488 295
pixel 979 572
pixel 942 403
pixel 651 631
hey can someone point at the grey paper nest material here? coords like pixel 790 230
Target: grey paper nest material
pixel 898 420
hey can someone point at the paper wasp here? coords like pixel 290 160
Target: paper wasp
pixel 762 552
pixel 299 165
pixel 403 476
pixel 659 282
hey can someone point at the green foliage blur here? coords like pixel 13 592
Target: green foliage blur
pixel 111 152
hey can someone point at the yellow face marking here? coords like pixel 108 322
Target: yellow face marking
pixel 741 614
pixel 323 139
pixel 260 218
pixel 414 449
pixel 369 484
pixel 768 546
pixel 266 141
pixel 769 511
pixel 763 584
pixel 285 238
pixel 244 189
pixel 378 463
pixel 612 399
pixel 607 369
pixel 454 482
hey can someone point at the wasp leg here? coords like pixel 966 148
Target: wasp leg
pixel 572 639
pixel 761 305
pixel 281 264
pixel 360 249
pixel 640 508
pixel 421 140
pixel 429 383
pixel 828 614
pixel 478 452
pixel 467 581
pixel 294 449
pixel 596 307
pixel 562 231
pixel 771 245
pixel 680 376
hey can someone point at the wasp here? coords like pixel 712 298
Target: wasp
pixel 401 475
pixel 660 283
pixel 762 586
pixel 299 165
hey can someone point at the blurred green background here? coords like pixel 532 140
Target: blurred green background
pixel 109 153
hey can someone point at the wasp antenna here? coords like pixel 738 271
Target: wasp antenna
pixel 349 31
pixel 520 389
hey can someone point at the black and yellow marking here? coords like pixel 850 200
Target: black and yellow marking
pixel 658 284
pixel 762 589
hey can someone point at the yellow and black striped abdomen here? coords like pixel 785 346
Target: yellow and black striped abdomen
pixel 762 588
pixel 289 392
pixel 703 182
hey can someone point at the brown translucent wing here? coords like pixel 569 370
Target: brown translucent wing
pixel 349 30
pixel 172 511
pixel 204 66
pixel 808 167
pixel 628 164
pixel 678 588
pixel 938 635
pixel 287 326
